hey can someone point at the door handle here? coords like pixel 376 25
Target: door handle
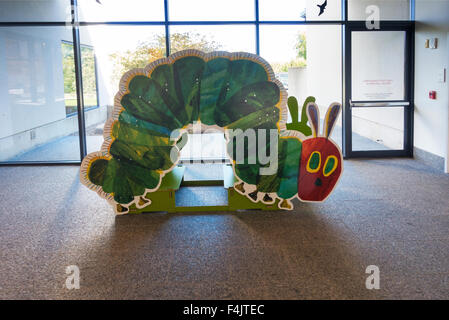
pixel 378 104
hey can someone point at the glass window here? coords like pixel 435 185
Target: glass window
pixel 290 10
pixel 207 146
pixel 33 122
pixel 89 78
pixel 385 9
pixel 211 38
pixel 285 48
pixel 377 128
pixel 138 46
pixel 378 65
pixel 322 10
pixel 210 10
pixel 294 10
pixel 35 10
pixel 89 71
pixel 324 75
pixel 306 59
pixel 113 10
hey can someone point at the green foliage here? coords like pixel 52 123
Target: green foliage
pixel 68 68
pixel 301 45
pixel 302 125
pixel 190 40
pixel 283 67
pixel 301 56
pixel 88 72
pixel 153 49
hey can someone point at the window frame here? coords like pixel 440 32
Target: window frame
pixel 74 24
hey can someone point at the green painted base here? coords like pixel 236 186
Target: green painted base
pixel 163 200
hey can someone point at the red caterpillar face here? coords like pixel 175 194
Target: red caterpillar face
pixel 321 160
pixel 320 169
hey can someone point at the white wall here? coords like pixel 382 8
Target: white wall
pixel 297 83
pixel 432 116
pixel 322 78
pixel 324 64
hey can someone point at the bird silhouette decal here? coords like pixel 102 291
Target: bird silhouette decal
pixel 322 7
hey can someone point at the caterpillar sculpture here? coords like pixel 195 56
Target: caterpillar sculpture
pixel 231 92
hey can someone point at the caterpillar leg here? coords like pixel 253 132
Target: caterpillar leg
pixel 253 195
pixel 121 209
pixel 267 199
pixel 240 187
pixel 143 202
pixel 285 205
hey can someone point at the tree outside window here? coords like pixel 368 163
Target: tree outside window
pixel 89 77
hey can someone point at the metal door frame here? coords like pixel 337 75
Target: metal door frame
pixel 407 103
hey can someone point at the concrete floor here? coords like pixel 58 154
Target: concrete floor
pixel 391 213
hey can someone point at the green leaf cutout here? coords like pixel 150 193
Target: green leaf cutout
pixel 302 125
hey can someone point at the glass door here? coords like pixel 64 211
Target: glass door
pixel 378 111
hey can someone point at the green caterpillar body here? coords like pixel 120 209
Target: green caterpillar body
pixel 222 90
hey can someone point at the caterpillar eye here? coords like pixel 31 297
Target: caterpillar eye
pixel 314 162
pixel 330 165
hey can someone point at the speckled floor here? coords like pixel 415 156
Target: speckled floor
pixel 389 213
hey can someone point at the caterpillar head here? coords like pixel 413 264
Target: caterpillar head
pixel 321 160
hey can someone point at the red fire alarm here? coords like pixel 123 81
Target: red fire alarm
pixel 432 95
